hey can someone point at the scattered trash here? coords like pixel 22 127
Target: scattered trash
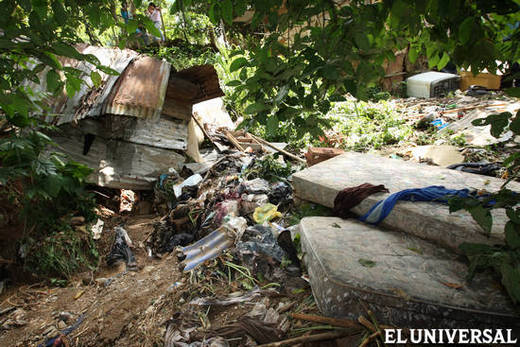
pixel 439 123
pixel 61 340
pixel 280 194
pixel 234 298
pixel 206 248
pixel 266 213
pixel 121 250
pixel 78 220
pixel 188 188
pixel 442 155
pixel 255 186
pixel 127 199
pixel 262 250
pixel 262 332
pixel 97 229
pixel 487 169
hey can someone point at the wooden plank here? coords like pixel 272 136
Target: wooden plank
pixel 167 133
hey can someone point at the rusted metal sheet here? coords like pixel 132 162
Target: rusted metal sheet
pixel 88 100
pixel 204 76
pixel 140 90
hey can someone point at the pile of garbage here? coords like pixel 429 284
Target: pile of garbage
pixel 223 210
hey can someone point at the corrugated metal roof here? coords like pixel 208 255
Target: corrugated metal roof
pixel 206 77
pixel 140 90
pixel 89 100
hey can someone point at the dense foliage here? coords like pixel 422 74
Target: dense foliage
pixel 312 52
pixel 46 188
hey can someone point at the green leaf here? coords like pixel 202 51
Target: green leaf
pixel 413 54
pixel 65 50
pixel 512 232
pixel 483 217
pixel 511 281
pixel 25 4
pixel 53 81
pixel 465 30
pixel 513 215
pixel 50 59
pixel 40 8
pixel 272 126
pixel 514 126
pixel 433 60
pixel 361 41
pixel 255 108
pixel 497 121
pixel 514 92
pixel 243 75
pixel 444 61
pixel 473 249
pixel 330 72
pixel 60 16
pixel 233 83
pixel 72 85
pixel 512 158
pixel 237 64
pixel 282 93
pixel 96 78
pixel 227 11
pixel 107 70
pixel 367 262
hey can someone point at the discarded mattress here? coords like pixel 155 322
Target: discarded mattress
pixel 431 221
pixel 405 281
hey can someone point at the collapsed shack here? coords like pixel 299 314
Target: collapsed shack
pixel 134 126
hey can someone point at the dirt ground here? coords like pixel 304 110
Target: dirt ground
pixel 134 308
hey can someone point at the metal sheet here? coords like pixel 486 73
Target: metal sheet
pixel 88 101
pixel 207 248
pixel 140 90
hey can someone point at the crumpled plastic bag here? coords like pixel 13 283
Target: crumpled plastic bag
pixel 266 213
pixel 121 250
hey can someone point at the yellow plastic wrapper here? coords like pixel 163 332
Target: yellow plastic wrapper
pixel 266 213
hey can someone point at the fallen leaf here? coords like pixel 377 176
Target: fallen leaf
pixel 79 294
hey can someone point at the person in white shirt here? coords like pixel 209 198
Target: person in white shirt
pixel 154 13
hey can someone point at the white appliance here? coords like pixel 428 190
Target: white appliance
pixel 431 84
